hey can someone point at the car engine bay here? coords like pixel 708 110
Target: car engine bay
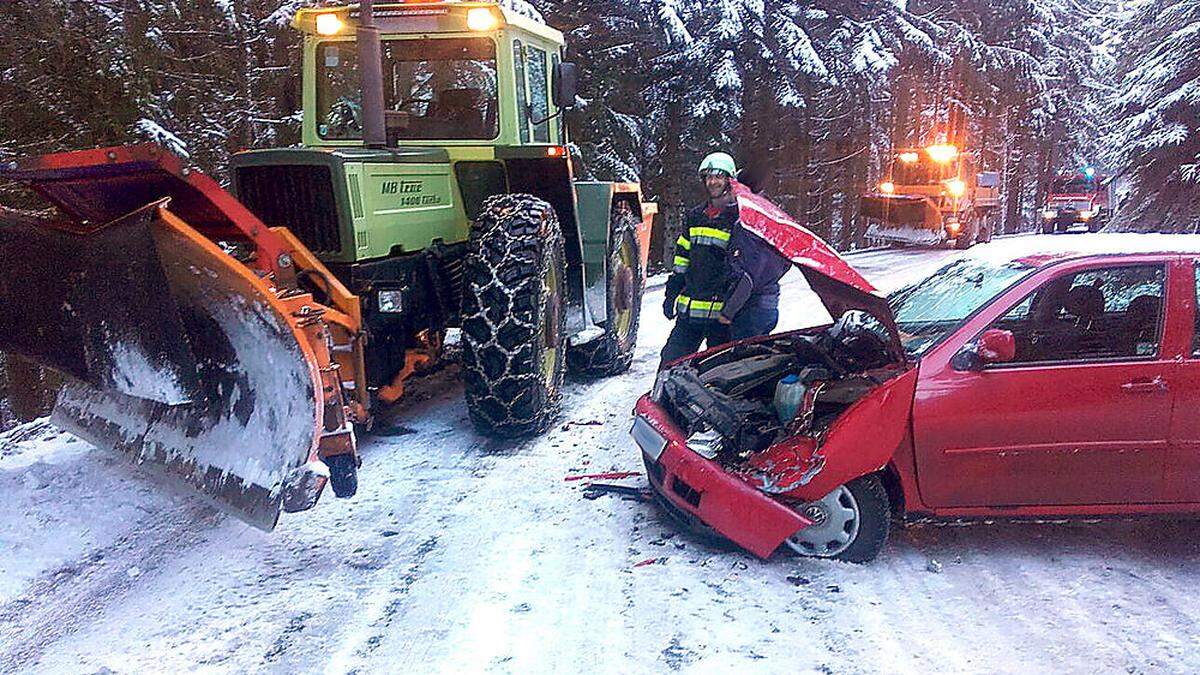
pixel 738 402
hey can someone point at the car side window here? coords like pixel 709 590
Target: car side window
pixel 1196 331
pixel 1093 315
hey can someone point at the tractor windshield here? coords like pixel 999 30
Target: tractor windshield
pixel 440 89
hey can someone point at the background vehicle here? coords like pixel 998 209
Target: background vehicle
pixel 931 196
pixel 233 342
pixel 1047 378
pixel 1081 198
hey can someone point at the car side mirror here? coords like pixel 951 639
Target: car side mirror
pixel 997 346
pixel 565 84
pixel 994 346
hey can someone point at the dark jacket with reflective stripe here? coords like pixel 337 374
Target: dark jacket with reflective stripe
pixel 756 268
pixel 701 265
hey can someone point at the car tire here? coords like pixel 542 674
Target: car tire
pixel 612 352
pixel 513 343
pixel 869 500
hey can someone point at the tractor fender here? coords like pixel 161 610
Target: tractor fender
pixel 594 206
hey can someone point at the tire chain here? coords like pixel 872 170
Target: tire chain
pixel 513 242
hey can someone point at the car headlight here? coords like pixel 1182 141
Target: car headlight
pixel 657 391
pixel 391 302
pixel 1086 214
pixel 707 443
pixel 1049 214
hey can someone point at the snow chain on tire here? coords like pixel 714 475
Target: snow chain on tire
pixel 512 336
pixel 612 353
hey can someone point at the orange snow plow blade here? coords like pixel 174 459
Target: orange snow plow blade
pixel 177 316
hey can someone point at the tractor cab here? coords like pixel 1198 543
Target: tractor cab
pixel 453 74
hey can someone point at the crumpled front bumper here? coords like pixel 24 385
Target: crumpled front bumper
pixel 697 489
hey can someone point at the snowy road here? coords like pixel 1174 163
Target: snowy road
pixel 467 554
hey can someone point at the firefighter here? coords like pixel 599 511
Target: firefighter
pixel 701 276
pixel 755 269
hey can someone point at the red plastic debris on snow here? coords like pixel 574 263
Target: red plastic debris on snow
pixel 614 475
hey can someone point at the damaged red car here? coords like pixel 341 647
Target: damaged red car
pixel 1030 377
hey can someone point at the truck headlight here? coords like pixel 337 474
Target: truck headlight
pixel 956 187
pixel 391 302
pixel 1086 214
pixel 707 444
pixel 1049 214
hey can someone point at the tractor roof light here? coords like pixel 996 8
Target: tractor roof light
pixel 887 187
pixel 329 24
pixel 956 187
pixel 482 19
pixel 909 157
pixel 942 153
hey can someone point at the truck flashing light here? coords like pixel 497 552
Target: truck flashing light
pixel 942 153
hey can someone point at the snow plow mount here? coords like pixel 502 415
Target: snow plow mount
pixel 191 342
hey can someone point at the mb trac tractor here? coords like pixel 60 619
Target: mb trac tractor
pixel 932 196
pixel 235 344
pixel 1076 199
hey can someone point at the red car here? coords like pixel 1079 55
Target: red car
pixel 1036 376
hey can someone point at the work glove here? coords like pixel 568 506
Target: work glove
pixel 669 308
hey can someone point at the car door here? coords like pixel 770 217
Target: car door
pixel 1182 483
pixel 1079 417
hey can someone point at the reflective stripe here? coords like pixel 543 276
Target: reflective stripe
pixel 711 232
pixel 682 242
pixel 698 309
pixel 709 236
pixel 681 263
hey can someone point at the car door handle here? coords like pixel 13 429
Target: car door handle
pixel 1145 386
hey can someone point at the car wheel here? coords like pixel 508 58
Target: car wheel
pixel 850 523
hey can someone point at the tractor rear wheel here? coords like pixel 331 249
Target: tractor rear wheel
pixel 512 336
pixel 612 352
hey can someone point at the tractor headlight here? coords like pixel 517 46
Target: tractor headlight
pixel 391 301
pixel 707 443
pixel 329 24
pixel 887 187
pixel 1049 214
pixel 956 187
pixel 482 19
pixel 943 153
pixel 909 157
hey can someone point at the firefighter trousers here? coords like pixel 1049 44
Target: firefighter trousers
pixel 687 335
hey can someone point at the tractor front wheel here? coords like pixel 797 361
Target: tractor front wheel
pixel 512 329
pixel 612 352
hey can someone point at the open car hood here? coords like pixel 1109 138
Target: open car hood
pixel 839 286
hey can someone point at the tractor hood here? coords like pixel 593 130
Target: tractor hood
pixel 839 286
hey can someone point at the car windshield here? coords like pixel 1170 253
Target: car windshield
pixel 934 307
pixel 443 89
pixel 1074 186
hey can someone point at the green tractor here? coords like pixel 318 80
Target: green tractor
pixel 435 183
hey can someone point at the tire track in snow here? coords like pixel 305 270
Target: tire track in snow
pixel 69 598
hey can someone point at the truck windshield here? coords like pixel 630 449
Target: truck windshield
pixel 1074 186
pixel 443 89
pixel 934 307
pixel 921 172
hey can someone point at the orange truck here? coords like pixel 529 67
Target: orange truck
pixel 932 196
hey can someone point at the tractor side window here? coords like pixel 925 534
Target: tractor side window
pixel 522 99
pixel 1094 315
pixel 539 94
